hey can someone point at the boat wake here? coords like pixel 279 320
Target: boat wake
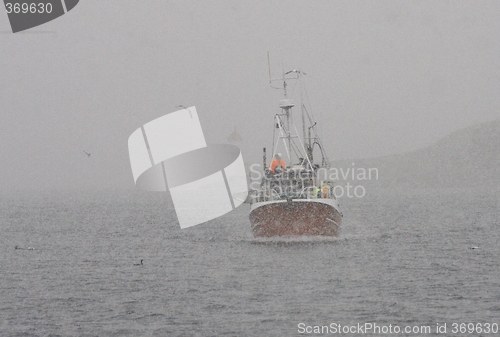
pixel 296 240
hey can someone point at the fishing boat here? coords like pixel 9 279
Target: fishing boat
pixel 294 196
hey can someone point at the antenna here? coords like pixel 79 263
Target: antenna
pixel 284 79
pixel 269 67
pixel 270 78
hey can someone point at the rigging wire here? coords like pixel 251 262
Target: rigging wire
pixel 316 135
pixel 283 132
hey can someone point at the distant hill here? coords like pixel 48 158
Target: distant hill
pixel 466 158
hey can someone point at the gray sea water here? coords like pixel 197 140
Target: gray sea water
pixel 403 258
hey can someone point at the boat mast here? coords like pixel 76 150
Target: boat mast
pixel 303 116
pixel 306 135
pixel 286 106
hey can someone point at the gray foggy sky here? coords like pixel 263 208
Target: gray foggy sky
pixel 383 77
